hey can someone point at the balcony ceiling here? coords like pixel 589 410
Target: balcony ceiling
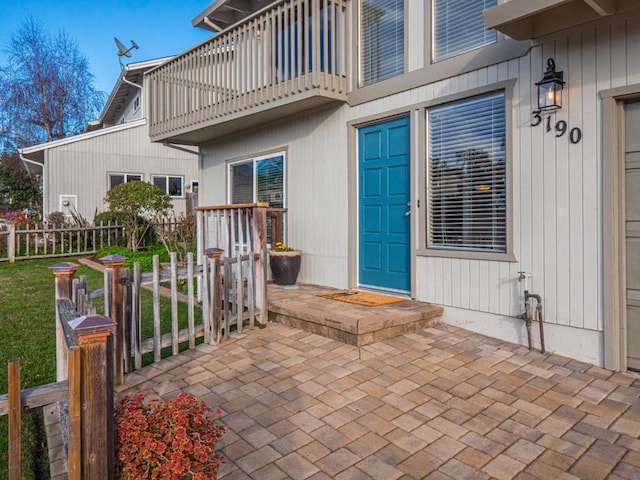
pixel 255 117
pixel 529 19
pixel 224 13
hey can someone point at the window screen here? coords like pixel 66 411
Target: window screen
pixel 381 39
pixel 467 175
pixel 459 27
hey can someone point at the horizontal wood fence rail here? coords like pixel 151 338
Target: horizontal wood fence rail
pixel 21 242
pixel 36 397
pixel 289 48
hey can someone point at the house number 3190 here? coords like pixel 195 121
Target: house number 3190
pixel 560 127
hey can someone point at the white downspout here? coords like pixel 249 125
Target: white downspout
pixel 124 79
pixel 44 176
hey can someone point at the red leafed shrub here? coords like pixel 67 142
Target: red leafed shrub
pixel 171 440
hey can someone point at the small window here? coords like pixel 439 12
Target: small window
pixel 172 186
pixel 458 27
pixel 258 180
pixel 381 40
pixel 118 178
pixel 467 175
pixel 136 103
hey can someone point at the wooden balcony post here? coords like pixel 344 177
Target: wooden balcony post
pixel 115 263
pixel 95 368
pixel 64 273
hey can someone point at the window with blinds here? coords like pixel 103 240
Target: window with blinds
pixel 467 175
pixel 458 27
pixel 381 40
pixel 258 180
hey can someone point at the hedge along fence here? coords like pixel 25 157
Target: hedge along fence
pixel 21 242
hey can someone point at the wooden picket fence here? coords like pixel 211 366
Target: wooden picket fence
pixel 93 352
pixel 21 242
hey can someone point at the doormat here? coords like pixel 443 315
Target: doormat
pixel 365 299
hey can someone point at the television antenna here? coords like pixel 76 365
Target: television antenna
pixel 123 51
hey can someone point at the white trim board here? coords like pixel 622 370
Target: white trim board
pixel 579 343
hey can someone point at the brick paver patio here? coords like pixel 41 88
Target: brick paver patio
pixel 440 403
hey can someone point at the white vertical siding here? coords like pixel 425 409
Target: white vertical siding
pixel 556 189
pixel 556 204
pixel 80 168
pixel 316 189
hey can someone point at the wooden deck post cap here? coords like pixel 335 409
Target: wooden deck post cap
pixel 64 268
pixel 113 260
pixel 213 252
pixel 91 323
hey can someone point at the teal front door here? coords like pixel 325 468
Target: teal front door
pixel 384 225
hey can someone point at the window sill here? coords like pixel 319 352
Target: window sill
pixel 466 254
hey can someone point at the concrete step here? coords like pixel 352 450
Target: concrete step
pixel 301 307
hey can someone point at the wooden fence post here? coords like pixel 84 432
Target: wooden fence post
pixel 115 263
pixel 214 281
pixel 259 246
pixel 94 337
pixel 15 422
pixel 64 273
pixel 11 243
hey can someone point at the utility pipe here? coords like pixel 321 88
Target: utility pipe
pixel 526 316
pixel 44 176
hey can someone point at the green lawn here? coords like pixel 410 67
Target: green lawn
pixel 27 332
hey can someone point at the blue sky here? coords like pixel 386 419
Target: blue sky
pixel 160 28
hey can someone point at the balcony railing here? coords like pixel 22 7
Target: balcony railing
pixel 289 52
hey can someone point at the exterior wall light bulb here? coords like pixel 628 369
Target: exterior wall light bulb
pixel 550 88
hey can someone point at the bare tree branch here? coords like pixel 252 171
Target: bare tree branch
pixel 47 90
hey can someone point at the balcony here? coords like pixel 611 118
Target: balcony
pixel 284 59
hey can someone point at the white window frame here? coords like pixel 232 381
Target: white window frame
pixel 255 160
pixel 126 177
pixel 462 52
pixel 166 183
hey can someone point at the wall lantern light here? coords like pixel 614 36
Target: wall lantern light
pixel 550 88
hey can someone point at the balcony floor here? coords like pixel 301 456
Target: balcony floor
pixel 301 307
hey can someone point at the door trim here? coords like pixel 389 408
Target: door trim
pixel 613 225
pixel 353 236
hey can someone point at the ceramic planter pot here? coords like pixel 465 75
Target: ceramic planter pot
pixel 285 266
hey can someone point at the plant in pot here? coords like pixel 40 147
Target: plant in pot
pixel 285 264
